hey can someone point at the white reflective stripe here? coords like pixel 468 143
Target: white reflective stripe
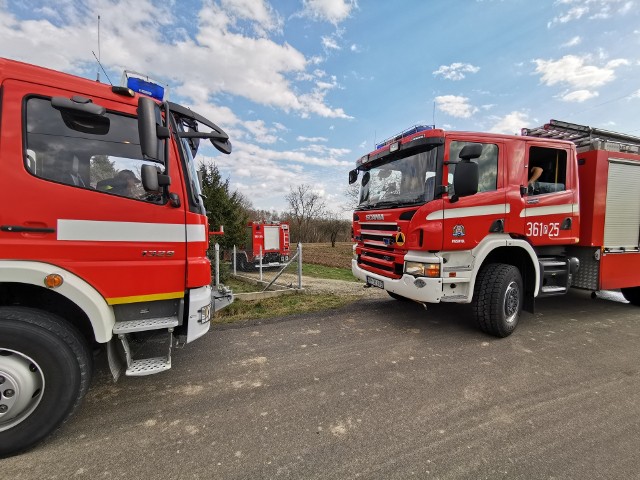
pixel 550 210
pixel 497 209
pixel 98 231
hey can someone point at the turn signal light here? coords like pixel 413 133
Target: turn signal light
pixel 53 280
pixel 419 269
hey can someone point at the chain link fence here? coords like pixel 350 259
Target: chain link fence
pixel 260 272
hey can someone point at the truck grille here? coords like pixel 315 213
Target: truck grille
pixel 378 254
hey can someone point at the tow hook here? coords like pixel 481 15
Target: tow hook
pixel 367 285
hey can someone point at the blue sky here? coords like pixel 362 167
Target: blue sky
pixel 304 88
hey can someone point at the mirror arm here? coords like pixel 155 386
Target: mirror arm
pixel 211 135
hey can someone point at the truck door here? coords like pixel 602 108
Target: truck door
pixel 469 220
pixel 550 202
pixel 77 203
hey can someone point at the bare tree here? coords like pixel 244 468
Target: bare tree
pixel 334 226
pixel 305 205
pixel 352 194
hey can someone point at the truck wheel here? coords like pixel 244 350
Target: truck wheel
pixel 45 370
pixel 497 299
pixel 397 297
pixel 632 295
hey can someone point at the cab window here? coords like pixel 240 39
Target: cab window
pixel 487 165
pixel 547 170
pixel 102 154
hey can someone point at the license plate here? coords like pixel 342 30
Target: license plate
pixel 375 282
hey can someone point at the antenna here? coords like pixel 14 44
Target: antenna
pixel 105 73
pixel 99 56
pixel 434 113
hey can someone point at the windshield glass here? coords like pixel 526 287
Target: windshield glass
pixel 404 181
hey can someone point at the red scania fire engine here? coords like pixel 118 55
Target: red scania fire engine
pixel 105 237
pixel 499 220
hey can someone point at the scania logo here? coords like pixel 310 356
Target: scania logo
pixel 375 216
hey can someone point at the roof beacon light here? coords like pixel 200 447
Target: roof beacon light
pixel 143 84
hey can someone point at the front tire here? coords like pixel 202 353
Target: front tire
pixel 497 299
pixel 45 370
pixel 632 295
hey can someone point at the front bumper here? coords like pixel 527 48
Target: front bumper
pixel 420 289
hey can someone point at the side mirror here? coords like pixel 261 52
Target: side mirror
pixel 353 176
pixel 150 128
pixel 465 178
pixel 152 180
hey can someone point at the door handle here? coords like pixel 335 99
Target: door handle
pixel 21 229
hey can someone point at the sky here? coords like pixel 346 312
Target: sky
pixel 306 87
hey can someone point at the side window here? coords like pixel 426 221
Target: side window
pixel 487 165
pixel 103 156
pixel 547 170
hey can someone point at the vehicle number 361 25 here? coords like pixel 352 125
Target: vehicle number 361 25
pixel 540 229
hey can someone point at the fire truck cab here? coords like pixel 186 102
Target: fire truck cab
pixel 499 220
pixel 104 237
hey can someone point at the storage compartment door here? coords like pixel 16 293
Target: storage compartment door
pixel 271 237
pixel 622 217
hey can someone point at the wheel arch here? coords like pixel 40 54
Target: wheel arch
pixel 519 253
pixel 76 301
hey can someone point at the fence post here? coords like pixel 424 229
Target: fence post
pixel 234 260
pixel 217 249
pixel 299 266
pixel 260 262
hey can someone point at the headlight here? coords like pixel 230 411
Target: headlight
pixel 419 269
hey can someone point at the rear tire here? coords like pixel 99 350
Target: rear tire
pixel 497 299
pixel 46 366
pixel 632 295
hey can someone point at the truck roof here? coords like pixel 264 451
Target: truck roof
pixel 13 69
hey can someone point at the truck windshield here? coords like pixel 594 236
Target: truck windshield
pixel 404 181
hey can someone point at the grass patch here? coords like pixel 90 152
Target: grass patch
pixel 280 306
pixel 333 273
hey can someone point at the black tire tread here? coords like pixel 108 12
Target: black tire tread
pixel 486 302
pixel 68 334
pixel 632 295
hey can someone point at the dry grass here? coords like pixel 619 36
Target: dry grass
pixel 324 254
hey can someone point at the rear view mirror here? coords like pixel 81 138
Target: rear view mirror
pixel 465 179
pixel 150 128
pixel 470 151
pixel 353 176
pixel 82 115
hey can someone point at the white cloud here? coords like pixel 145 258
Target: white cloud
pixel 312 139
pixel 257 11
pixel 332 11
pixel 218 58
pixel 573 71
pixel 330 43
pixel 573 42
pixel 455 106
pixel 456 71
pixel 510 124
pixel 579 96
pixel 592 9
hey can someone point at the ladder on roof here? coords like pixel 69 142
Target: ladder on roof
pixel 584 136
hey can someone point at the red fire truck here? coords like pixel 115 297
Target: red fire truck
pixel 461 217
pixel 269 239
pixel 105 237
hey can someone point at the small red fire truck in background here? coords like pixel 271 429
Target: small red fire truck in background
pixel 105 236
pixel 269 239
pixel 460 217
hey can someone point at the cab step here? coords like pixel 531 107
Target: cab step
pixel 145 324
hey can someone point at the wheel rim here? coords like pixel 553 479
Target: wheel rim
pixel 21 387
pixel 511 302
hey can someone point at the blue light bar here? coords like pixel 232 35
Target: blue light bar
pixel 405 133
pixel 142 84
pixel 152 90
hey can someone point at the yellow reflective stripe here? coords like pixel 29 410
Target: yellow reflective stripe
pixel 144 298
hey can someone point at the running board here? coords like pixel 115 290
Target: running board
pixel 145 366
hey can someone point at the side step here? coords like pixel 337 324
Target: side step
pixel 151 365
pixel 556 275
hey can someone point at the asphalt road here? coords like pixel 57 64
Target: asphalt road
pixel 380 389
